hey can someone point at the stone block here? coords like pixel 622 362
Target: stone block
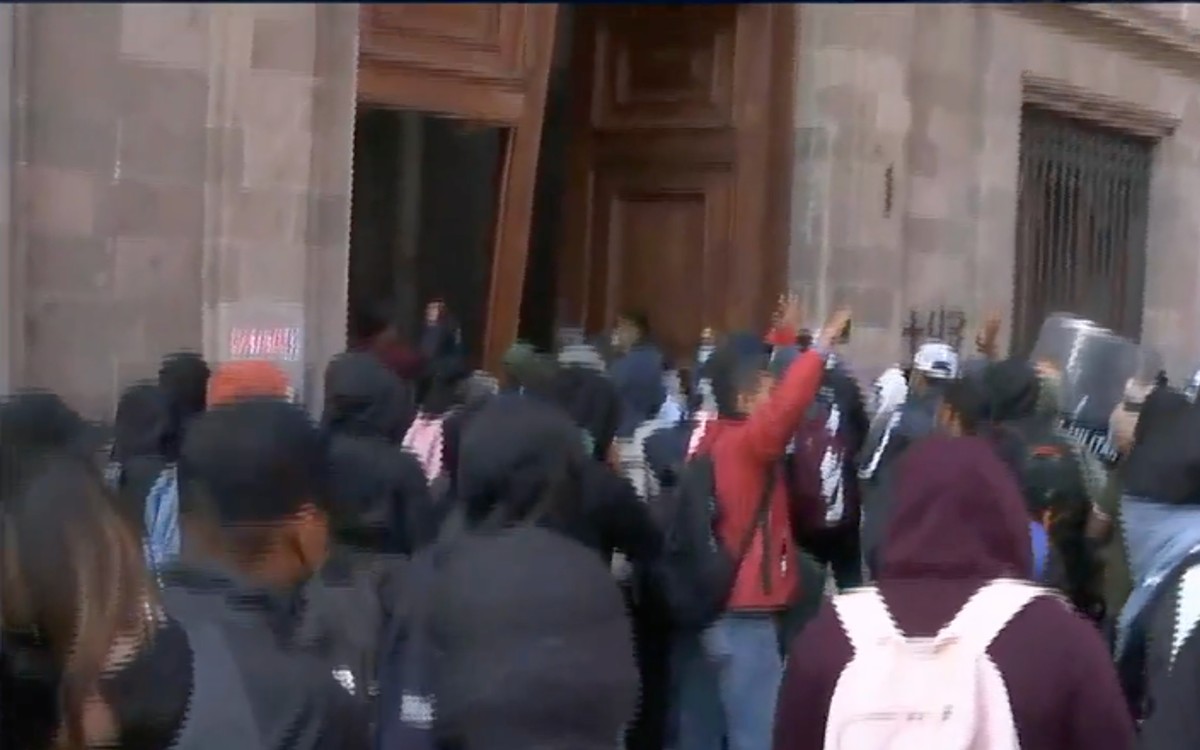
pixel 274 101
pixel 72 56
pixel 328 223
pixel 287 45
pixel 172 97
pixel 150 149
pixel 141 208
pixel 65 138
pixel 68 268
pixel 149 267
pixel 225 149
pixel 173 323
pixel 873 306
pixel 265 216
pixel 170 34
pixel 276 159
pixel 273 272
pixel 58 202
pixel 333 138
pixel 928 197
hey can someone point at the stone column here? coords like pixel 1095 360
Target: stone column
pixel 276 197
pixel 852 119
pixel 10 305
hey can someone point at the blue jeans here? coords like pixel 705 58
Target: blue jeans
pixel 745 651
pixel 696 714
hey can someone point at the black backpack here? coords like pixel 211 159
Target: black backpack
pixel 695 572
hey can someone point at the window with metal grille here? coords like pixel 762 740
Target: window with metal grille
pixel 1081 224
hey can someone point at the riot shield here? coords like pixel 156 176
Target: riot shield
pixel 1096 366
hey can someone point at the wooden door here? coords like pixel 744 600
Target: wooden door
pixel 485 62
pixel 670 202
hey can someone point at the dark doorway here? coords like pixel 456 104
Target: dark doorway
pixel 423 217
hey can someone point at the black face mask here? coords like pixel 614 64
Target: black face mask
pixel 29 685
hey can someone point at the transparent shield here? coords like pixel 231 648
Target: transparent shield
pixel 1097 366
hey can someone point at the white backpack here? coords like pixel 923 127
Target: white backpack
pixel 940 693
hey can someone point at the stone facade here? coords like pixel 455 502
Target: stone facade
pixel 928 99
pixel 175 164
pixel 173 167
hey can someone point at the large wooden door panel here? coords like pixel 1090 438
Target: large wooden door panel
pixel 471 60
pixel 663 66
pixel 476 39
pixel 671 205
pixel 658 242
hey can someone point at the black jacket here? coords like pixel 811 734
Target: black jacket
pixel 295 698
pixel 379 500
pixel 510 448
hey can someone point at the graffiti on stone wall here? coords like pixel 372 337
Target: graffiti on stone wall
pixel 948 324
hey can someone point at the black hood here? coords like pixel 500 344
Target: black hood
pixel 1164 463
pixel 1012 388
pixel 363 397
pixel 142 423
pixel 379 500
pixel 591 399
pixel 183 378
pixel 517 452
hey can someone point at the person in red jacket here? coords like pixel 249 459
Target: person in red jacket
pixel 959 523
pixel 756 419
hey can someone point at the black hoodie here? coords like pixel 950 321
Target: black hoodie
pixel 294 697
pixel 378 493
pixel 509 448
pixel 141 429
pixel 1165 460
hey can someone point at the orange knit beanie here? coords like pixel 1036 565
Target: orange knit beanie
pixel 247 378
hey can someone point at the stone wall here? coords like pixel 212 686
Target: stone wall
pixel 171 160
pixel 934 93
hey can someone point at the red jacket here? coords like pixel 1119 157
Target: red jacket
pixel 743 452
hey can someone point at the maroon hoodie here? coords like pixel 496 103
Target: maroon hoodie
pixel 960 521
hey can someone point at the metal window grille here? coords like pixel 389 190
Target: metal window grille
pixel 1081 224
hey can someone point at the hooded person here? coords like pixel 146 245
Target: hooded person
pixel 1160 524
pixel 627 528
pixel 183 378
pixel 1051 473
pixel 373 330
pixel 535 647
pixel 959 524
pixel 526 370
pixel 586 392
pixel 137 458
pixel 378 494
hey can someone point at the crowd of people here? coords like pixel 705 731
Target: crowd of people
pixel 595 549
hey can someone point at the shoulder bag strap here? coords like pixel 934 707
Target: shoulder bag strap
pixel 760 514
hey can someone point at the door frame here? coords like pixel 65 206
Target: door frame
pixel 762 139
pixel 500 83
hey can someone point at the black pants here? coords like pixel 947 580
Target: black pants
pixel 652 648
pixel 841 549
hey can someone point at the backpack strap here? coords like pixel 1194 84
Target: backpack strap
pixel 865 618
pixel 989 610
